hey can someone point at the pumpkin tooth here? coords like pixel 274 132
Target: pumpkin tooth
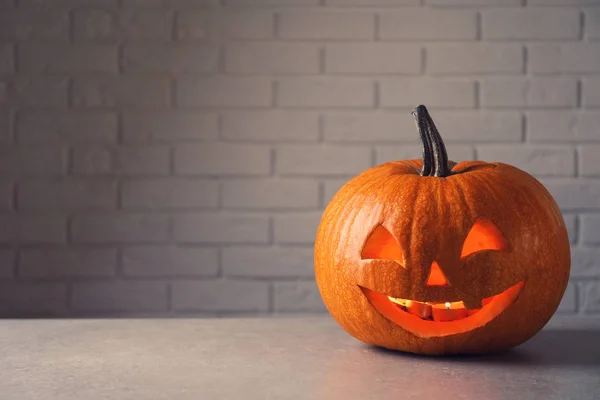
pixel 449 314
pixel 422 310
pixel 446 311
pixel 401 302
pixel 449 311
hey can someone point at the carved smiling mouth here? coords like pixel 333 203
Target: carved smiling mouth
pixel 428 319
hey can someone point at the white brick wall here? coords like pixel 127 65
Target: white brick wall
pixel 174 156
pixel 416 24
pixel 532 23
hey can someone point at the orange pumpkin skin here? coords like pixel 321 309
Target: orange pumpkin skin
pixel 429 217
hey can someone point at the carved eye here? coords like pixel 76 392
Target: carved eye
pixel 484 235
pixel 381 245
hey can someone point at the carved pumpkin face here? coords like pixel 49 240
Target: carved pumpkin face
pixel 430 256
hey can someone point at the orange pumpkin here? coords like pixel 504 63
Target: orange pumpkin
pixel 436 257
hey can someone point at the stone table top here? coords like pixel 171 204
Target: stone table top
pixel 278 358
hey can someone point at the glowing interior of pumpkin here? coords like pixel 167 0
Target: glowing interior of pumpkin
pixel 446 318
pixel 436 276
pixel 382 245
pixel 428 319
pixel 484 235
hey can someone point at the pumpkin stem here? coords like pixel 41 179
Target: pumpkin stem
pixel 427 152
pixel 435 158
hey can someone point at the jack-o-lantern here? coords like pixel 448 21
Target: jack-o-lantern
pixel 436 257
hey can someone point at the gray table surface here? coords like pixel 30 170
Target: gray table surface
pixel 277 358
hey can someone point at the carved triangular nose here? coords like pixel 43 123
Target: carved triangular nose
pixel 436 276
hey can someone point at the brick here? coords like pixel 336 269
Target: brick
pixel 272 2
pixel 6 196
pixel 326 92
pixel 328 24
pixel 270 126
pixel 189 4
pixel 322 160
pixel 531 24
pixel 428 24
pixel 32 161
pixel 169 261
pixel 7 60
pixel 267 262
pixel 67 262
pixel 479 126
pixel 37 92
pixel 139 160
pixel 588 160
pixel 568 304
pixel 590 91
pixel 538 160
pixel 563 126
pixel 560 58
pixel 222 159
pixel 373 58
pixel 66 127
pixel 592 23
pixel 220 295
pixel 102 24
pixel 122 91
pixel 372 2
pixel 169 126
pixel 24 229
pixel 221 228
pixel 194 25
pixel 66 195
pixel 368 126
pixel 562 2
pixel 65 3
pixel 474 2
pixel 169 193
pixel 409 92
pixel 173 58
pixel 571 194
pixel 120 228
pixel 296 228
pixel 456 152
pixel 246 24
pixel 589 297
pixel 7 264
pixel 270 194
pixel 272 58
pixel 301 296
pixel 4 96
pixel 39 299
pixel 220 91
pixel 119 296
pixel 590 234
pixel 480 58
pixel 547 92
pixel 5 127
pixel 585 262
pixel 572 225
pixel 137 4
pixel 49 58
pixel 25 25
